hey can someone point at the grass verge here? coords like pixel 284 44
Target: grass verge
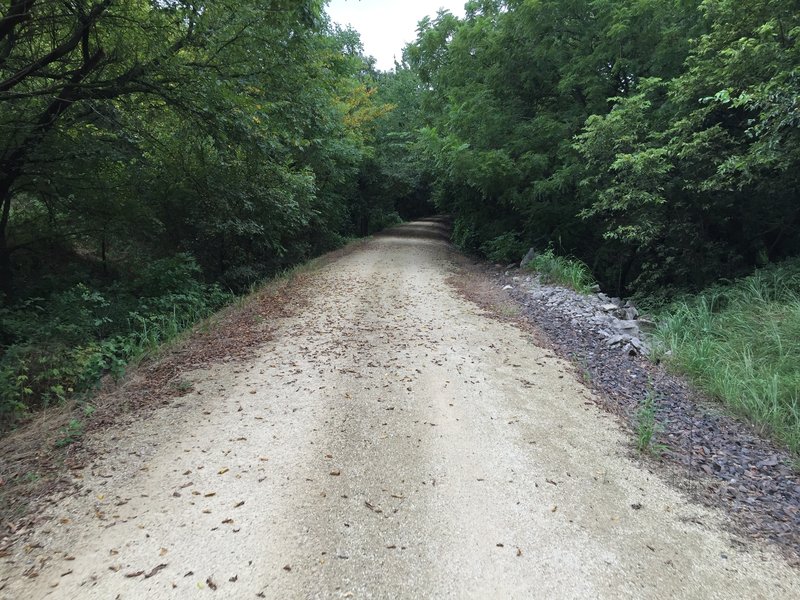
pixel 741 343
pixel 568 272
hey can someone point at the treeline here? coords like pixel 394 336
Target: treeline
pixel 656 140
pixel 158 156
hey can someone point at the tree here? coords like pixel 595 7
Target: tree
pixel 65 65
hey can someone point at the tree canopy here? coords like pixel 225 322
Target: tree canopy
pixel 655 140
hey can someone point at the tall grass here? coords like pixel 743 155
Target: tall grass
pixel 741 343
pixel 568 272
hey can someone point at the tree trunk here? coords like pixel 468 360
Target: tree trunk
pixel 6 274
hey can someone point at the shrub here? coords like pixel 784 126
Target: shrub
pixel 56 347
pixel 504 248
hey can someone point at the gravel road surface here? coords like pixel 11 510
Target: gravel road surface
pixel 392 441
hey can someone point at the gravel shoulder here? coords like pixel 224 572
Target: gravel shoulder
pixel 719 460
pixel 390 439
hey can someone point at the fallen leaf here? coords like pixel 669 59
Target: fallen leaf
pixel 210 583
pixel 223 471
pixel 155 570
pixel 162 552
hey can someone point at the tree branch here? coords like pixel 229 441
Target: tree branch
pixel 19 11
pixel 61 50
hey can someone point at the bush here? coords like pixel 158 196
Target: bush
pixel 504 248
pixel 56 347
pixel 378 221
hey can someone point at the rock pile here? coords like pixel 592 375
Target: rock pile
pixel 618 323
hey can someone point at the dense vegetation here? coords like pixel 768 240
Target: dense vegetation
pixel 159 156
pixel 655 140
pixel 741 342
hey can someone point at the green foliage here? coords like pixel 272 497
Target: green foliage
pixel 645 423
pixel 167 155
pixel 656 141
pixel 568 272
pixel 60 346
pixel 741 343
pixel 70 434
pixel 504 248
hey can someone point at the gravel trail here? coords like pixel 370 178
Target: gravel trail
pixel 392 441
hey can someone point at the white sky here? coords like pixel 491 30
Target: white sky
pixel 388 25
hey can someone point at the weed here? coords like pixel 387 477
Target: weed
pixel 70 434
pixel 568 272
pixel 508 311
pixel 31 477
pixel 586 374
pixel 647 426
pixel 183 385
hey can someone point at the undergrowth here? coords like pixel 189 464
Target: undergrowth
pixel 564 271
pixel 741 343
pixel 647 426
pixel 57 347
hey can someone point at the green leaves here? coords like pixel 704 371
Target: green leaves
pixel 665 133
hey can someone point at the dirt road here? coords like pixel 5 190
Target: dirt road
pixel 390 442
